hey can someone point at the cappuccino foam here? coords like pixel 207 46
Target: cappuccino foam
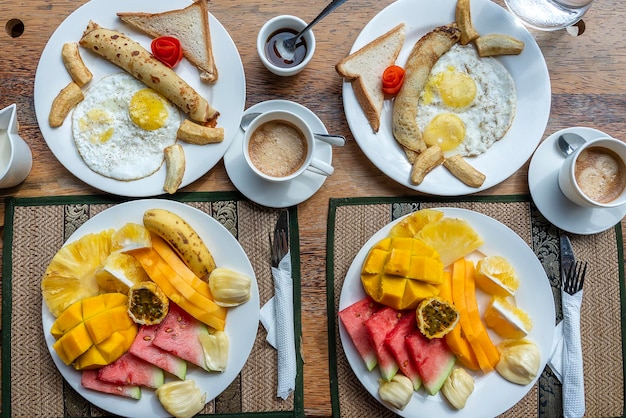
pixel 278 148
pixel 600 173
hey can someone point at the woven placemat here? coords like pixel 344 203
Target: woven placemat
pixel 36 228
pixel 353 221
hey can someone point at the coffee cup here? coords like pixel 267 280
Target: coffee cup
pixel 594 176
pixel 279 146
pixel 16 159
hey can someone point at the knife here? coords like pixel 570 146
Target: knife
pixel 282 228
pixel 567 255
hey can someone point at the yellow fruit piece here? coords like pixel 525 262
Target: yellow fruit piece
pixel 74 343
pixel 70 317
pixel 108 351
pixel 70 276
pixel 399 272
pixel 119 273
pixel 506 319
pixel 436 317
pixel 496 276
pixel 452 238
pixel 413 223
pixel 103 325
pixel 130 237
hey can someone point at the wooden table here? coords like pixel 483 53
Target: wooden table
pixel 587 90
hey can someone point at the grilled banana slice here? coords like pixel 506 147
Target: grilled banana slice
pixel 174 167
pixel 498 44
pixel 183 239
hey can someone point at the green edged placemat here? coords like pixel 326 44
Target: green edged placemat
pixel 352 221
pixel 35 228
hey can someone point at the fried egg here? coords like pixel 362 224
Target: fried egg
pixel 468 102
pixel 122 127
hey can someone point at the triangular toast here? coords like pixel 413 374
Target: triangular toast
pixel 189 25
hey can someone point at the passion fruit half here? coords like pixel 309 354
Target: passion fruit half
pixel 436 317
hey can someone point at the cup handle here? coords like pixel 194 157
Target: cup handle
pixel 320 167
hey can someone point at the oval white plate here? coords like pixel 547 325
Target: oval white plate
pixel 227 95
pixel 534 296
pixel 529 71
pixel 241 322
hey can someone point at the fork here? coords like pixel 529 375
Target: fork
pixel 575 277
pixel 278 246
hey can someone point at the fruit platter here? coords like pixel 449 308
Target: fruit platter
pixel 441 309
pixel 143 308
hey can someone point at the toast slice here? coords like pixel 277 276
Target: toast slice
pixel 364 68
pixel 189 25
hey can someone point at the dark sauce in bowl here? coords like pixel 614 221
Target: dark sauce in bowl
pixel 273 55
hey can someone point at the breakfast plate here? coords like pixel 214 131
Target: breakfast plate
pixel 528 70
pixel 241 322
pixel 534 295
pixel 227 95
pixel 277 194
pixel 543 174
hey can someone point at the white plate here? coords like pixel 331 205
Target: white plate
pixel 543 174
pixel 534 296
pixel 528 70
pixel 227 95
pixel 281 194
pixel 241 322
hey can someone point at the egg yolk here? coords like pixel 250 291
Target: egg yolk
pixel 456 89
pixel 446 130
pixel 147 110
pixel 98 123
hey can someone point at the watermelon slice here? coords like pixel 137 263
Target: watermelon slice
pixel 89 380
pixel 432 358
pixel 395 343
pixel 143 348
pixel 378 326
pixel 131 370
pixel 352 319
pixel 178 335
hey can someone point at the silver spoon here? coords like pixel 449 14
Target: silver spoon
pixel 287 48
pixel 337 140
pixel 568 142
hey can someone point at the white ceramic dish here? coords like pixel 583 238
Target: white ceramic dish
pixel 529 71
pixel 534 296
pixel 544 188
pixel 277 194
pixel 241 322
pixel 227 95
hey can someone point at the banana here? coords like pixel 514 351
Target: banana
pixel 183 239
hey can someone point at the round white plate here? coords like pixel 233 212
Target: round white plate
pixel 534 296
pixel 529 71
pixel 227 95
pixel 241 322
pixel 543 174
pixel 277 194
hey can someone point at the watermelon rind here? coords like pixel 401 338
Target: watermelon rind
pixel 89 380
pixel 432 358
pixel 131 370
pixel 144 348
pixel 378 326
pixel 395 342
pixel 353 318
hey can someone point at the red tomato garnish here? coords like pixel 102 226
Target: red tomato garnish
pixel 167 49
pixel 393 77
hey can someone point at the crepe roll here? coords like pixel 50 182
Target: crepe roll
pixel 139 62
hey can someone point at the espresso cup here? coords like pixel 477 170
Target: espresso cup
pixel 16 159
pixel 279 146
pixel 594 176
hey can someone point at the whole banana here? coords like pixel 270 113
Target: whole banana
pixel 183 239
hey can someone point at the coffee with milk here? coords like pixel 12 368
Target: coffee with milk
pixel 600 174
pixel 278 148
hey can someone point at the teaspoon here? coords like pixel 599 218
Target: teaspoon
pixel 569 142
pixel 337 140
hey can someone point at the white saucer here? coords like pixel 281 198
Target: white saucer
pixel 553 205
pixel 266 193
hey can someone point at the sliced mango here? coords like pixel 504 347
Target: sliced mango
pixel 103 325
pixel 70 317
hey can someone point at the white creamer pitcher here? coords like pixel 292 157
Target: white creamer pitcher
pixel 16 159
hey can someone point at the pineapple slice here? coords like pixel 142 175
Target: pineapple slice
pixel 119 273
pixel 70 276
pixel 130 237
pixel 413 223
pixel 452 238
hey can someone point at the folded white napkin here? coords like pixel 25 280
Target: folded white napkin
pixel 566 358
pixel 277 318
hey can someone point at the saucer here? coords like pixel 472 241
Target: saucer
pixel 554 206
pixel 272 194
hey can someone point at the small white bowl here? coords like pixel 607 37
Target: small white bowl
pixel 271 27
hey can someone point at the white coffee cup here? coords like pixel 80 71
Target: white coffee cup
pixel 16 159
pixel 279 146
pixel 594 175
